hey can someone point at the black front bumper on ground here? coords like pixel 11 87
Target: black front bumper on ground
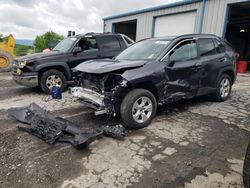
pixel 50 128
pixel 26 79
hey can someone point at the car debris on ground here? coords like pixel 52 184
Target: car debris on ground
pixel 51 129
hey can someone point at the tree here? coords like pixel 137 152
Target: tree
pixel 21 50
pixel 1 37
pixel 46 40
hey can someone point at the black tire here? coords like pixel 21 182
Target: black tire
pixel 217 96
pixel 246 168
pixel 127 107
pixel 9 58
pixel 45 75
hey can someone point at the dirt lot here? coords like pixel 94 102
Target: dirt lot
pixel 194 143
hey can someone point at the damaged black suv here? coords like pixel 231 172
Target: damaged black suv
pixel 154 72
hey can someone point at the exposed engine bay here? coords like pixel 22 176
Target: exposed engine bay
pixel 99 91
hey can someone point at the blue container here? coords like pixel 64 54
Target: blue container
pixel 56 92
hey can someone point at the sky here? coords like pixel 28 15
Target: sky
pixel 26 19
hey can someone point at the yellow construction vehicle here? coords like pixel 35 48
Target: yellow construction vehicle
pixel 7 45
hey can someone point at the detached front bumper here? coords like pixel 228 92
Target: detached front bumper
pixel 26 79
pixel 89 97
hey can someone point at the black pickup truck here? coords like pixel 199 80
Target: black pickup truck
pixel 54 67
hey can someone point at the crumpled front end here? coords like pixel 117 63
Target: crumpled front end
pixel 89 97
pixel 99 92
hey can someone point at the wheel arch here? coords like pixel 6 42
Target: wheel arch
pixel 229 71
pixel 147 85
pixel 62 68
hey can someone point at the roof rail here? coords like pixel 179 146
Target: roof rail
pixel 105 33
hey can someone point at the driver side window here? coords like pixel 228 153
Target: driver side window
pixel 183 52
pixel 88 44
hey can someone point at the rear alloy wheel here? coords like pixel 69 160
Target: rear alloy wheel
pixel 138 109
pixel 51 78
pixel 224 86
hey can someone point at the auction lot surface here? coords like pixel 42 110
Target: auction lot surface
pixel 194 143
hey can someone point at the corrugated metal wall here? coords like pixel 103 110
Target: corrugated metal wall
pixel 215 15
pixel 213 23
pixel 145 20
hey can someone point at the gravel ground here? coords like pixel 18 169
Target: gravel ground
pixel 192 143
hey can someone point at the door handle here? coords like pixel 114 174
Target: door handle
pixel 196 69
pixel 222 59
pixel 198 64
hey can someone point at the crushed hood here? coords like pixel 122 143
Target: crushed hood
pixel 40 56
pixel 107 65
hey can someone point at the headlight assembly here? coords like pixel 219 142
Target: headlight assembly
pixel 22 64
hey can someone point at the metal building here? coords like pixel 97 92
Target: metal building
pixel 225 18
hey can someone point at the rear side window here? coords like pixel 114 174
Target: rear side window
pixel 184 52
pixel 109 43
pixel 220 48
pixel 206 47
pixel 227 45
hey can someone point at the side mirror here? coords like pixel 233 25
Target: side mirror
pixel 77 50
pixel 169 63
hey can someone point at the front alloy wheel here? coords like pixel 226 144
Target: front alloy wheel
pixel 53 80
pixel 50 78
pixel 138 109
pixel 142 109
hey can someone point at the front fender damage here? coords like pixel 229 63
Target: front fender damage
pixel 50 128
pixel 114 86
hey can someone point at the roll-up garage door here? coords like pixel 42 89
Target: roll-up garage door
pixel 176 24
